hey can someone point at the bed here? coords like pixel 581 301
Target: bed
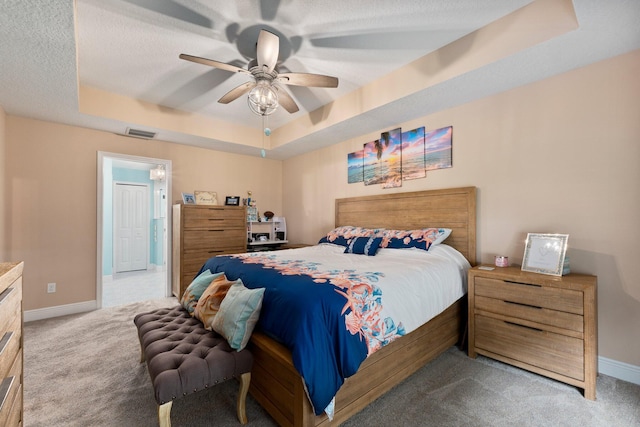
pixel 276 382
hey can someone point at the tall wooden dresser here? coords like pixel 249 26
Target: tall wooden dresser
pixel 201 232
pixel 545 324
pixel 11 357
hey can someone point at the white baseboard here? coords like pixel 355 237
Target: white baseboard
pixel 613 368
pixel 620 370
pixel 59 310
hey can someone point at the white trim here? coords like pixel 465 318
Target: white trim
pixel 59 310
pixel 102 156
pixel 620 370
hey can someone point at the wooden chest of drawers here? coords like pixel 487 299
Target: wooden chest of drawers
pixel 11 357
pixel 545 324
pixel 201 232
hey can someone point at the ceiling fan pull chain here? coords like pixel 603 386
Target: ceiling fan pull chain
pixel 265 131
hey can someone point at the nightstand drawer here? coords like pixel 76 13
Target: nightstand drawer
pixel 566 300
pixel 554 320
pixel 547 350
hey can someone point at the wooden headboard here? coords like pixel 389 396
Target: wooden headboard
pixel 453 208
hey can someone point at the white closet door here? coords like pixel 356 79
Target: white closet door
pixel 131 227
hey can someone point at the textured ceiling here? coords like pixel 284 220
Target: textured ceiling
pixel 50 50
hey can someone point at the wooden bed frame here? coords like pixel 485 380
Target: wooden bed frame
pixel 277 385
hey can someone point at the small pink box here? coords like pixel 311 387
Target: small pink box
pixel 502 261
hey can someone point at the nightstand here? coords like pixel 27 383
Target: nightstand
pixel 545 324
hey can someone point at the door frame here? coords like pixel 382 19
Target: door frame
pixel 101 158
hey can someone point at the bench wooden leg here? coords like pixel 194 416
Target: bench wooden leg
pixel 245 380
pixel 164 414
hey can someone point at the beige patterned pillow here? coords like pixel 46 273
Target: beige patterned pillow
pixel 209 303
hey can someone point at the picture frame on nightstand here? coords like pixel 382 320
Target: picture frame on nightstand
pixel 545 253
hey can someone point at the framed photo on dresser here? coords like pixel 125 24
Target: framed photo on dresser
pixel 544 253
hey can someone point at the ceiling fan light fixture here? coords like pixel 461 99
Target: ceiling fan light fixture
pixel 263 99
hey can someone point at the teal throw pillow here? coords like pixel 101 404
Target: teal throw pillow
pixel 194 291
pixel 239 312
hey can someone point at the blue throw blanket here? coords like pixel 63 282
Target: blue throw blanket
pixel 329 319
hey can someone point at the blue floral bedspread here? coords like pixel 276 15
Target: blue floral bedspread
pixel 329 319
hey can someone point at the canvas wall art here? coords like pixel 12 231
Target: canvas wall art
pixel 355 167
pixel 437 145
pixel 413 158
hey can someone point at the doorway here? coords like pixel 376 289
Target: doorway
pixel 133 229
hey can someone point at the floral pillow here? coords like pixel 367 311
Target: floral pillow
pixel 209 303
pixel 420 238
pixel 343 235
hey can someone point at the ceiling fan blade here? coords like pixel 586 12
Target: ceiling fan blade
pixel 215 64
pixel 286 100
pixel 309 80
pixel 236 92
pixel 268 50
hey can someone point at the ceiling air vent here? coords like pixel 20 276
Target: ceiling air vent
pixel 138 133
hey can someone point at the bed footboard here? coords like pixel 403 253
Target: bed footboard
pixel 278 387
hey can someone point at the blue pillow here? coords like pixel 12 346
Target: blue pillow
pixel 238 314
pixel 194 291
pixel 364 246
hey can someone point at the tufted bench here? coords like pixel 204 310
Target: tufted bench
pixel 183 358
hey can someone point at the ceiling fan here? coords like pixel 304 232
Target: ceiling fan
pixel 265 90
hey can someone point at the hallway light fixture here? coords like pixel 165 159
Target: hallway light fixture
pixel 157 174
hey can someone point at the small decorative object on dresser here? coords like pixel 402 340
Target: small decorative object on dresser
pixel 206 197
pixel 11 344
pixel 544 253
pixel 232 201
pixel 188 199
pixel 544 324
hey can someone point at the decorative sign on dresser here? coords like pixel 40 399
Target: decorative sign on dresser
pixel 201 232
pixel 541 323
pixel 11 357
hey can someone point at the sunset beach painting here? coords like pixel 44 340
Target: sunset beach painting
pixel 437 145
pixel 413 158
pixel 383 160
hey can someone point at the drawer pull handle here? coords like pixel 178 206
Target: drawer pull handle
pixel 524 305
pixel 216 230
pixel 523 326
pixel 523 284
pixel 5 387
pixel 5 295
pixel 216 219
pixel 215 252
pixel 4 343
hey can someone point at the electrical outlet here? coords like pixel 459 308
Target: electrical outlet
pixel 51 287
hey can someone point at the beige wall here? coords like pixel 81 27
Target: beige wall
pixel 560 156
pixel 4 245
pixel 51 198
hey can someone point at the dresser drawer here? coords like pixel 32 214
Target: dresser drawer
pixel 547 350
pixel 553 320
pixel 9 347
pixel 10 305
pixel 566 300
pixel 10 391
pixel 208 217
pixel 214 239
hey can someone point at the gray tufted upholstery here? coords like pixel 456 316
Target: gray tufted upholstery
pixel 183 357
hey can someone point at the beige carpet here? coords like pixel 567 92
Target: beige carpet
pixel 84 370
